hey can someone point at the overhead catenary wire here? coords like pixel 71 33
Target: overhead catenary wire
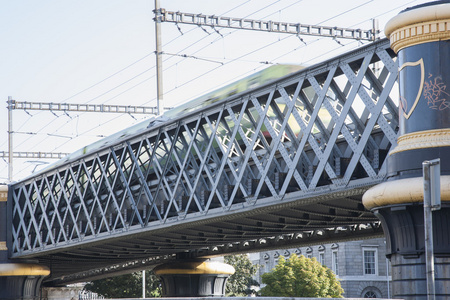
pixel 343 13
pixel 193 43
pixel 204 73
pixel 55 149
pixel 149 54
pixel 134 63
pixel 110 76
pixel 114 75
pixel 386 12
pixel 265 17
pixel 192 56
pixel 183 84
pixel 340 44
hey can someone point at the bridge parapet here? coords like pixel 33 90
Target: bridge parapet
pixel 226 171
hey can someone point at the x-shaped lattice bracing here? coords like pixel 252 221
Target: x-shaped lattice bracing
pixel 283 141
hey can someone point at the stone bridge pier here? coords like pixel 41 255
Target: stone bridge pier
pixel 421 37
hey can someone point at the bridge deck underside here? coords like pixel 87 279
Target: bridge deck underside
pixel 286 160
pixel 322 220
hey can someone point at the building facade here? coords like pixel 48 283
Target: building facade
pixel 361 266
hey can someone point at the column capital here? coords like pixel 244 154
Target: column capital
pixel 418 25
pixel 401 191
pixel 21 269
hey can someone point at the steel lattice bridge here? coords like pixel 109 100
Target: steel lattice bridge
pixel 282 164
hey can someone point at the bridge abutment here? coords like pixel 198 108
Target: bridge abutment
pixel 421 37
pixel 18 281
pixel 194 278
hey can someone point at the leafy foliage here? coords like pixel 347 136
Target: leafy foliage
pixel 301 277
pixel 126 286
pixel 240 282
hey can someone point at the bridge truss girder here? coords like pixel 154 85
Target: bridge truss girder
pixel 291 157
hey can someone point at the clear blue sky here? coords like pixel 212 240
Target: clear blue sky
pixel 102 51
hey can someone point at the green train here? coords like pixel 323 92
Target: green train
pixel 253 81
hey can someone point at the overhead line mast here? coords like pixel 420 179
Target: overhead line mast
pixel 158 52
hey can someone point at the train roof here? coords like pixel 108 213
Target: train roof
pixel 273 72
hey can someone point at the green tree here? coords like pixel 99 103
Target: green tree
pixel 301 277
pixel 239 284
pixel 126 286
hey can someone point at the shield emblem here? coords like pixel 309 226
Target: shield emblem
pixel 404 102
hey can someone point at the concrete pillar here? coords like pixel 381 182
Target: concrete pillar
pixel 194 278
pixel 66 293
pixel 421 37
pixel 18 281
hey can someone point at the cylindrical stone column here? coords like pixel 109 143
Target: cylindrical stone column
pixel 421 37
pixel 194 278
pixel 18 281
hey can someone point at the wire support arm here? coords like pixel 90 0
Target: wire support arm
pixel 50 155
pixel 98 108
pixel 268 26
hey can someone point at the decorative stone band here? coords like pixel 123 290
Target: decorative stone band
pixel 10 269
pixel 208 267
pixel 418 26
pixel 402 191
pixel 423 139
pixel 3 193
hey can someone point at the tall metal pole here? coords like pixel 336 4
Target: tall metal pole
pixel 429 195
pixel 387 279
pixel 158 52
pixel 143 284
pixel 10 139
